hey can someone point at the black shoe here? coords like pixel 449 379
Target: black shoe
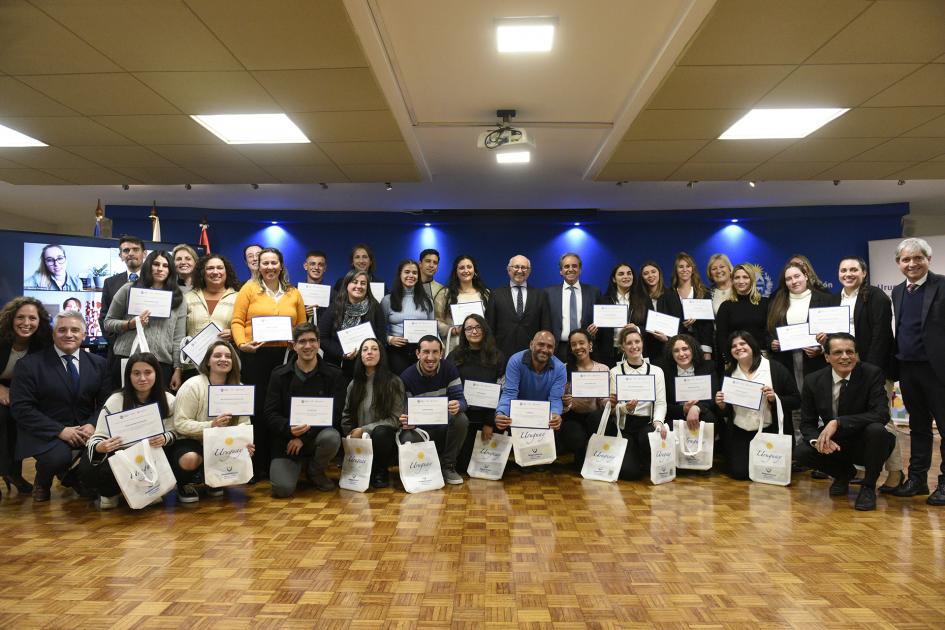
pixel 839 487
pixel 892 489
pixel 937 497
pixel 856 481
pixel 911 488
pixel 866 499
pixel 816 474
pixel 22 485
pixel 380 479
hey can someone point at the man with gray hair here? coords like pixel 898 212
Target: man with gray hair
pixel 516 310
pixel 919 308
pixel 54 398
pixel 570 303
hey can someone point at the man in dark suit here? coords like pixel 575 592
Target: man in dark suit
pixel 131 251
pixel 54 399
pixel 516 311
pixel 571 303
pixel 844 411
pixel 919 307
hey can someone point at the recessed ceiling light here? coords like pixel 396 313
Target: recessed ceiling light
pixel 13 138
pixel 781 123
pixel 252 128
pixel 513 157
pixel 525 34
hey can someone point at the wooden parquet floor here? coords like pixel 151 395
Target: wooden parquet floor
pixel 543 550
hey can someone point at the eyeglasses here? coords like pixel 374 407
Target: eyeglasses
pixel 473 329
pixel 57 260
pixel 519 267
pixel 128 250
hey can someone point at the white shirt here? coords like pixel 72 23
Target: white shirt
pixel 65 364
pixel 849 300
pixel 749 419
pixel 837 379
pixel 566 325
pixel 656 409
pixel 275 295
pixel 515 294
pixel 625 300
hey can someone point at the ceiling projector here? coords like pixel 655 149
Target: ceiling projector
pixel 510 144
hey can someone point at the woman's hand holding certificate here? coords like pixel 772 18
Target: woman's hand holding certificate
pixel 610 315
pixel 156 302
pixel 795 337
pixel 135 424
pixel 742 393
pixel 636 387
pixel 272 328
pixel 830 319
pixel 234 400
pixel 590 384
pixel 657 322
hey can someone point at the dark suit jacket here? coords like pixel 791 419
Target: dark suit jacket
pixel 328 331
pixel 818 299
pixel 604 350
pixel 864 402
pixel 109 289
pixel 513 334
pixel 933 320
pixel 708 412
pixel 589 296
pixel 668 304
pixel 872 323
pixel 43 402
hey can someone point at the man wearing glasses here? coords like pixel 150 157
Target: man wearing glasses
pixel 516 311
pixel 131 251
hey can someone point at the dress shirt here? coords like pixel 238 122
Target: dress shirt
pixel 524 286
pixel 849 300
pixel 566 325
pixel 918 283
pixel 275 295
pixel 837 380
pixel 65 364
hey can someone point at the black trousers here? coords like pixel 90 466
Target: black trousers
pixel 869 448
pixel 924 396
pixel 177 450
pixel 636 460
pixel 55 461
pixel 9 465
pixel 256 370
pixel 98 478
pixel 574 433
pixel 736 442
pixel 385 448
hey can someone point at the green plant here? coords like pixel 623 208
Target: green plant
pixel 98 272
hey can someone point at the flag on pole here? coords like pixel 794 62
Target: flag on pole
pixel 204 239
pixel 99 215
pixel 155 223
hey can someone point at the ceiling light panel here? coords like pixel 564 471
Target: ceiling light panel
pixel 513 157
pixel 524 35
pixel 253 128
pixel 781 123
pixel 13 138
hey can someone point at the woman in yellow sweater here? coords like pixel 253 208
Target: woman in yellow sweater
pixel 267 294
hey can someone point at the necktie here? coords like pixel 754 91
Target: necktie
pixel 132 277
pixel 519 302
pixel 843 390
pixel 575 320
pixel 72 370
pixel 912 287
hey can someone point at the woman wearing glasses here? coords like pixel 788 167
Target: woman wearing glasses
pixel 51 275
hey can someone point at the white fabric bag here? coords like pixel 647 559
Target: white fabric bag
pixel 769 454
pixel 533 447
pixel 604 453
pixel 356 467
pixel 143 473
pixel 662 457
pixel 419 464
pixel 226 460
pixel 694 448
pixel 140 344
pixel 488 459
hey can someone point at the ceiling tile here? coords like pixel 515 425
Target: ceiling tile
pixel 97 176
pixel 33 43
pixel 381 173
pixel 28 177
pixel 342 89
pixel 636 172
pixel 904 150
pixel 768 32
pixel 787 171
pixel 925 86
pixel 141 35
pixel 291 34
pixel 190 156
pixel 933 129
pixel 45 157
pixel 248 174
pixel 863 170
pixel 367 152
pixel 680 124
pixel 211 92
pixel 835 85
pixel 266 155
pixel 741 150
pixel 877 122
pixel 698 171
pixel 166 176
pixel 375 126
pixel 308 174
pixel 65 131
pixel 160 129
pixel 926 170
pixel 18 99
pixel 10 163
pixel 121 157
pixel 677 151
pixel 717 87
pixel 826 149
pixel 902 31
pixel 101 94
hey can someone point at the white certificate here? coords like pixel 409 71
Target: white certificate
pixel 315 412
pixel 480 394
pixel 795 336
pixel 636 387
pixel 153 300
pixel 531 414
pixel 590 384
pixel 377 290
pixel 196 349
pixel 464 309
pixel 610 315
pixel 697 309
pixel 415 329
pixel 236 400
pixel 661 323
pixel 351 338
pixel 428 410
pixel 315 294
pixel 742 393
pixel 272 328
pixel 831 319
pixel 693 388
pixel 135 424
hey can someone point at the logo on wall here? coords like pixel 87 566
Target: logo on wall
pixel 762 279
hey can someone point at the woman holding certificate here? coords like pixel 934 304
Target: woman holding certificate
pixel 653 294
pixel 374 403
pixel 582 406
pixel 220 366
pixel 684 360
pixel 638 403
pixel 143 387
pixel 405 303
pixel 746 309
pixel 212 299
pixel 719 271
pixel 353 306
pixel 464 286
pixel 689 286
pixel 154 299
pixel 742 422
pixel 478 359
pixel 266 310
pixel 620 291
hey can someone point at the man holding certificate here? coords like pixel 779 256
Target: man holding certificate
pixel 316 264
pixel 303 407
pixel 432 376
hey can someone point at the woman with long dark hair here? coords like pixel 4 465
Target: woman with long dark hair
pixel 684 358
pixel 653 295
pixel 464 285
pixel 620 290
pixel 406 300
pixel 354 305
pixel 212 298
pixel 688 286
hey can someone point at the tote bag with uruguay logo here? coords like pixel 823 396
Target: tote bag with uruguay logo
pixel 695 448
pixel 419 464
pixel 143 473
pixel 662 457
pixel 356 467
pixel 604 453
pixel 769 454
pixel 489 458
pixel 226 460
pixel 533 447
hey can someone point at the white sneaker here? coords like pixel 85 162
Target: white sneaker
pixel 109 503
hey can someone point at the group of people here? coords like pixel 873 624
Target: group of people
pixel 833 395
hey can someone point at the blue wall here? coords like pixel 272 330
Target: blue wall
pixel 766 236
